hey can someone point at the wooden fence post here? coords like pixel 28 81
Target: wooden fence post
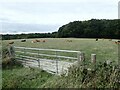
pixel 81 58
pixel 38 60
pixel 11 51
pixel 78 56
pixel 93 61
pixel 56 62
pixel 23 56
pixel 108 61
pixel 93 58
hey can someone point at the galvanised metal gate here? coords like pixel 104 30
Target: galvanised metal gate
pixel 52 60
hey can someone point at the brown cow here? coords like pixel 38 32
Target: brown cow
pixel 11 42
pixel 44 41
pixel 35 41
pixel 117 42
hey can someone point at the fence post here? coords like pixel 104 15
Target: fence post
pixel 93 61
pixel 93 58
pixel 14 52
pixel 24 57
pixel 78 56
pixel 108 61
pixel 38 60
pixel 56 62
pixel 81 58
pixel 11 51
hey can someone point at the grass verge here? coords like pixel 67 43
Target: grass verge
pixel 24 78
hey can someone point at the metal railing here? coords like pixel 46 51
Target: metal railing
pixel 26 55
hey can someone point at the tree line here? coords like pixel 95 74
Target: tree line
pixel 94 28
pixel 27 36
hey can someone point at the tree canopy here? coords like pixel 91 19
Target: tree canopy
pixel 93 28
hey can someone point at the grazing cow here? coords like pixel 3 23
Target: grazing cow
pixel 69 40
pixel 11 42
pixel 117 42
pixel 23 40
pixel 35 41
pixel 44 41
pixel 96 39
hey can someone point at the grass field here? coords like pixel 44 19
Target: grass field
pixel 104 49
pixel 20 77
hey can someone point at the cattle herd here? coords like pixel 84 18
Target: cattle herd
pixel 36 41
pixel 115 41
pixel 32 41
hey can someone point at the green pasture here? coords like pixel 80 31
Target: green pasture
pixel 103 48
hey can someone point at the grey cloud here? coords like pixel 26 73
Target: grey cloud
pixel 119 10
pixel 46 8
pixel 19 27
pixel 53 13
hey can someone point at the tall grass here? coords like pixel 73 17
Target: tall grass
pixel 24 78
pixel 103 76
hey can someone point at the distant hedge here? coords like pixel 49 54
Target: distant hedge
pixel 26 36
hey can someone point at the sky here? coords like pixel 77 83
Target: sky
pixel 119 10
pixel 48 15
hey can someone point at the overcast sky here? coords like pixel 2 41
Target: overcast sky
pixel 56 12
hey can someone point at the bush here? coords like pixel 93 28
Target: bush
pixel 102 76
pixel 8 61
